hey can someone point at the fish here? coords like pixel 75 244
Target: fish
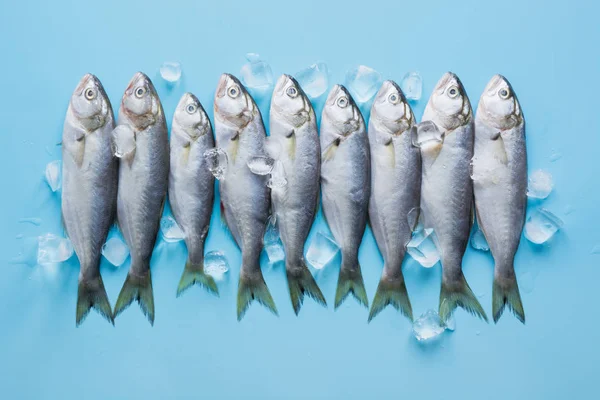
pixel 500 186
pixel 345 186
pixel 191 186
pixel 294 127
pixel 395 191
pixel 89 194
pixel 245 196
pixel 447 190
pixel 143 182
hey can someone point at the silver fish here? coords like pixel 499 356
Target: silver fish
pixel 500 184
pixel 245 197
pixel 294 126
pixel 191 186
pixel 89 188
pixel 143 178
pixel 345 185
pixel 447 190
pixel 395 191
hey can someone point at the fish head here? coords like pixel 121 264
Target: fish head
pixel 90 104
pixel 391 109
pixel 140 102
pixel 233 104
pixel 499 104
pixel 290 103
pixel 342 111
pixel 450 102
pixel 191 117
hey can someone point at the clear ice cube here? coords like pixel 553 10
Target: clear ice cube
pixel 53 175
pixel 422 248
pixel 363 82
pixel 123 141
pixel 451 324
pixel 275 252
pixel 171 232
pixel 478 241
pixel 540 184
pixel 216 265
pixel 261 165
pixel 115 251
pixel 170 71
pixel 314 80
pixel 427 132
pixel 428 326
pixel 256 73
pixel 277 178
pixel 412 86
pixel 53 249
pixel 541 225
pixel 321 251
pixel 216 159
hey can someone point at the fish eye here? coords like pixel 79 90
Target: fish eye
pixel 394 98
pixel 140 91
pixel 90 94
pixel 453 92
pixel 342 102
pixel 233 92
pixel 504 93
pixel 191 108
pixel 292 91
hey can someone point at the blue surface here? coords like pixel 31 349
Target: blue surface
pixel 197 348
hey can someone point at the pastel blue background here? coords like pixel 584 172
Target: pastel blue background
pixel 548 50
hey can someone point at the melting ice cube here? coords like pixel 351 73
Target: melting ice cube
pixel 314 79
pixel 478 241
pixel 540 184
pixel 53 175
pixel 273 245
pixel 115 251
pixel 427 132
pixel 422 248
pixel 450 323
pixel 171 232
pixel 216 160
pixel 363 82
pixel 216 265
pixel 123 141
pixel 170 71
pixel 256 73
pixel 277 179
pixel 261 165
pixel 412 86
pixel 541 225
pixel 321 251
pixel 428 326
pixel 53 249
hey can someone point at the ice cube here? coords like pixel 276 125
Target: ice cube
pixel 412 86
pixel 428 326
pixel 31 220
pixel 540 184
pixel 261 165
pixel 363 82
pixel 256 74
pixel 422 248
pixel 115 251
pixel 53 175
pixel 478 241
pixel 271 231
pixel 314 80
pixel 53 249
pixel 450 323
pixel 216 265
pixel 277 179
pixel 275 252
pixel 171 232
pixel 427 132
pixel 541 225
pixel 321 251
pixel 216 160
pixel 123 141
pixel 170 71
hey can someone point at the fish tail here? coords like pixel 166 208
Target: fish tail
pixel 350 280
pixel 253 287
pixel 92 294
pixel 505 292
pixel 301 282
pixel 194 273
pixel 457 293
pixel 138 288
pixel 391 290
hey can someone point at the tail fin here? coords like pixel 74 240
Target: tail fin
pixel 253 288
pixel 194 273
pixel 301 282
pixel 350 281
pixel 91 294
pixel 459 294
pixel 391 290
pixel 138 288
pixel 506 292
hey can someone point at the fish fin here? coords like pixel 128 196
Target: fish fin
pixel 253 288
pixel 234 146
pixel 459 294
pixel 331 150
pixel 92 294
pixel 137 288
pixel 391 290
pixel 194 273
pixel 506 293
pixel 351 281
pixel 292 144
pixel 301 282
